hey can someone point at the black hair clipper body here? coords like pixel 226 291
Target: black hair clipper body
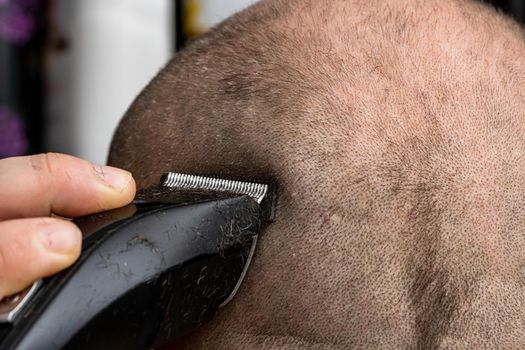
pixel 148 273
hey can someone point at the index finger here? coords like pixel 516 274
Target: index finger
pixel 56 183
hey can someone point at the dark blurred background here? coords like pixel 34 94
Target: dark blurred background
pixel 515 8
pixel 70 68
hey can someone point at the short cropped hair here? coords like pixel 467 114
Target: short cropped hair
pixel 396 132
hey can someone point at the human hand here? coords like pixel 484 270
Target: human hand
pixel 33 244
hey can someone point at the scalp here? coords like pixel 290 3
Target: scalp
pixel 395 130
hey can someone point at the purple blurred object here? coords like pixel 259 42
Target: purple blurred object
pixel 12 135
pixel 17 20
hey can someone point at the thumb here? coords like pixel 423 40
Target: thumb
pixel 34 248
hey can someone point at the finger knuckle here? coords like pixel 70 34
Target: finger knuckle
pixel 44 162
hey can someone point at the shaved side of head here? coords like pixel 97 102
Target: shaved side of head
pixel 396 130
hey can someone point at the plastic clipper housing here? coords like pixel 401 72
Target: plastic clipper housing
pixel 148 273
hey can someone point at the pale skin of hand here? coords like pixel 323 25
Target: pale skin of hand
pixel 32 243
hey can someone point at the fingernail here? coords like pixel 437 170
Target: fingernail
pixel 113 177
pixel 60 237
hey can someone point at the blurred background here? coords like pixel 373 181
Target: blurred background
pixel 69 69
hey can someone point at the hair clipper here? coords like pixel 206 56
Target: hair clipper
pixel 149 272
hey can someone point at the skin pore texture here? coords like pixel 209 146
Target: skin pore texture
pixel 396 131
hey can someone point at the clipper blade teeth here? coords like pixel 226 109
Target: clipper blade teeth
pixel 186 181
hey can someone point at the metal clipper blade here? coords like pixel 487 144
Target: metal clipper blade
pixel 264 194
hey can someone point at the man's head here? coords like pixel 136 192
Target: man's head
pixel 396 132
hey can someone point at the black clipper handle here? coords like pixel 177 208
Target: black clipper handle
pixel 148 273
